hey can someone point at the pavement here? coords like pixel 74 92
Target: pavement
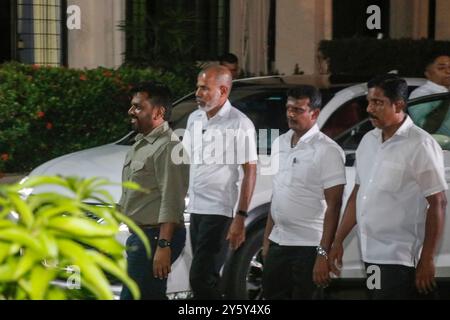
pixel 9 178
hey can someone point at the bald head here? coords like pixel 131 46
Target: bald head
pixel 213 88
pixel 221 75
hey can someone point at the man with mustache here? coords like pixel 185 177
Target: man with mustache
pixel 306 202
pixel 221 142
pixel 159 212
pixel 398 202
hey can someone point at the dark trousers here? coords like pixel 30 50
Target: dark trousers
pixel 208 234
pixel 140 267
pixel 396 282
pixel 288 273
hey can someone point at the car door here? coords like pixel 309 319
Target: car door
pixel 432 113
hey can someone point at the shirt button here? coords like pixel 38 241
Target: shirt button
pixel 371 180
pixel 364 198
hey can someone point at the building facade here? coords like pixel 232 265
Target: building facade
pixel 267 35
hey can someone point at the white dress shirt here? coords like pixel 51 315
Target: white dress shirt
pixel 426 89
pixel 298 202
pixel 217 148
pixel 395 177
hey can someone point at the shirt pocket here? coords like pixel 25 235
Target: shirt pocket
pixel 141 175
pixel 390 176
pixel 299 173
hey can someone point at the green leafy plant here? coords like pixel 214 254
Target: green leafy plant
pixel 54 232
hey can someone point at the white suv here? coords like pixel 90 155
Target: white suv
pixel 343 118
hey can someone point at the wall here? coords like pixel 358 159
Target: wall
pixel 300 26
pixel 99 42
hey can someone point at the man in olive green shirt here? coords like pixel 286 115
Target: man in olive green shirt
pixel 160 212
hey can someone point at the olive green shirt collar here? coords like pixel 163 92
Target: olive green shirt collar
pixel 154 134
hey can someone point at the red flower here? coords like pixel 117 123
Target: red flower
pixel 40 114
pixel 49 126
pixel 4 157
pixel 83 77
pixel 107 73
pixel 35 67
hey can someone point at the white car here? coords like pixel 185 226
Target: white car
pixel 343 118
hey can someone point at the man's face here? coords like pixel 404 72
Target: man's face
pixel 439 71
pixel 300 116
pixel 233 67
pixel 382 112
pixel 143 113
pixel 208 94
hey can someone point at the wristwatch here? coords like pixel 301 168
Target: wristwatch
pixel 163 243
pixel 322 252
pixel 242 213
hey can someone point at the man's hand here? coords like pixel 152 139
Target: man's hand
pixel 161 263
pixel 425 272
pixel 321 272
pixel 236 233
pixel 335 258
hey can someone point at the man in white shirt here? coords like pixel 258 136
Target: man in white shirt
pixel 398 201
pixel 221 141
pixel 306 202
pixel 437 71
pixel 430 115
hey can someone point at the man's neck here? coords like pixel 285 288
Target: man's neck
pixel 210 114
pixel 388 132
pixel 157 125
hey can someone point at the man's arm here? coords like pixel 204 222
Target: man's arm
pixel 267 231
pixel 173 180
pixel 347 224
pixel 333 198
pixel 236 232
pixel 433 232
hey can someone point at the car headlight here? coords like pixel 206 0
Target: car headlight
pixel 25 192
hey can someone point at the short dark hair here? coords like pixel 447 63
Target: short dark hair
pixel 228 58
pixel 394 87
pixel 307 91
pixel 432 56
pixel 158 93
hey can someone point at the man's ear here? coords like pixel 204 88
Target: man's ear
pixel 315 113
pixel 223 90
pixel 400 105
pixel 160 111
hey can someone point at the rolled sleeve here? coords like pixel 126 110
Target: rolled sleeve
pixel 428 168
pixel 246 142
pixel 173 181
pixel 332 167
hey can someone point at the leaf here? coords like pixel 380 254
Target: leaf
pixel 138 231
pixel 110 267
pixel 40 281
pixel 22 209
pixel 82 227
pixel 89 270
pixel 20 236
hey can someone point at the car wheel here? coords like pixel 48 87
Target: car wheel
pixel 243 273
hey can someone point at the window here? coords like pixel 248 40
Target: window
pixel 155 27
pixel 349 114
pixel 40 32
pixel 433 115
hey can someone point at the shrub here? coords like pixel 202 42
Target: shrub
pixel 46 112
pixel 54 228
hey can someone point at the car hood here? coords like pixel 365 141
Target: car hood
pixel 104 161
